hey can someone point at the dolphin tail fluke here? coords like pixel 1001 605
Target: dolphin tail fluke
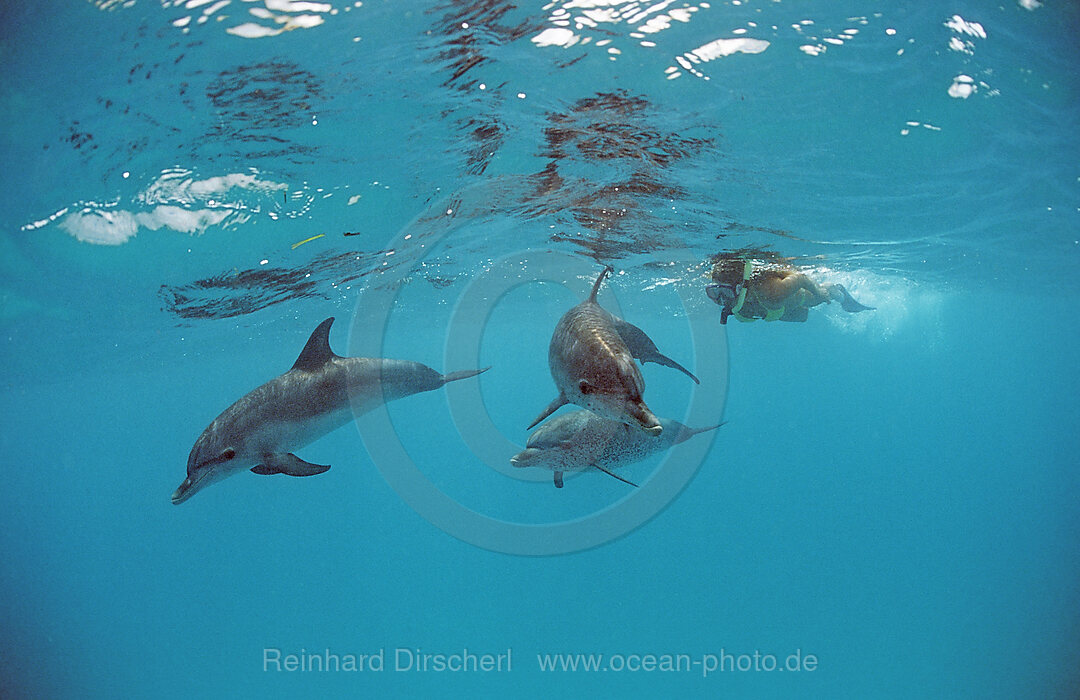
pixel 555 405
pixel 463 374
pixel 687 433
pixel 643 348
pixel 596 286
pixel 616 476
pixel 847 303
pixel 288 464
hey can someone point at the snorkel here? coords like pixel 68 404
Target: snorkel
pixel 730 296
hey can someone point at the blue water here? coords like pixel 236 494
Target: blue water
pixel 190 188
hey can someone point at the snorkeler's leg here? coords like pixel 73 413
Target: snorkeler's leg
pixel 781 290
pixel 817 293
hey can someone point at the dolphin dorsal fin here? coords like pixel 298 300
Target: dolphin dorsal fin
pixel 596 287
pixel 317 352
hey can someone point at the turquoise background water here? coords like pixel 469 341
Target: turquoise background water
pixel 894 492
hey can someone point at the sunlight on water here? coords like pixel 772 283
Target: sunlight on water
pixel 266 19
pixel 177 201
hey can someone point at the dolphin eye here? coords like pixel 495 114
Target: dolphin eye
pixel 228 454
pixel 584 387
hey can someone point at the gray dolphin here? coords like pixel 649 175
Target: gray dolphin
pixel 577 441
pixel 320 393
pixel 591 357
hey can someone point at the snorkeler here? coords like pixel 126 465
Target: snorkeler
pixel 772 292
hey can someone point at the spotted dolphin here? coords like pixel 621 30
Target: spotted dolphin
pixel 591 357
pixel 580 440
pixel 321 392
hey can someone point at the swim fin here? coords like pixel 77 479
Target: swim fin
pixel 847 303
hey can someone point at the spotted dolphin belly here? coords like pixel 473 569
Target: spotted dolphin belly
pixel 291 435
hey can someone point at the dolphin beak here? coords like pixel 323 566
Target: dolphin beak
pixel 645 419
pixel 184 491
pixel 522 459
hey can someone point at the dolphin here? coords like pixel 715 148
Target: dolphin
pixel 320 393
pixel 577 441
pixel 591 357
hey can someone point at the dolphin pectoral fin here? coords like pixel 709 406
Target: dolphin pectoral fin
pixel 288 464
pixel 643 348
pixel 555 405
pixel 463 374
pixel 612 474
pixel 558 480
